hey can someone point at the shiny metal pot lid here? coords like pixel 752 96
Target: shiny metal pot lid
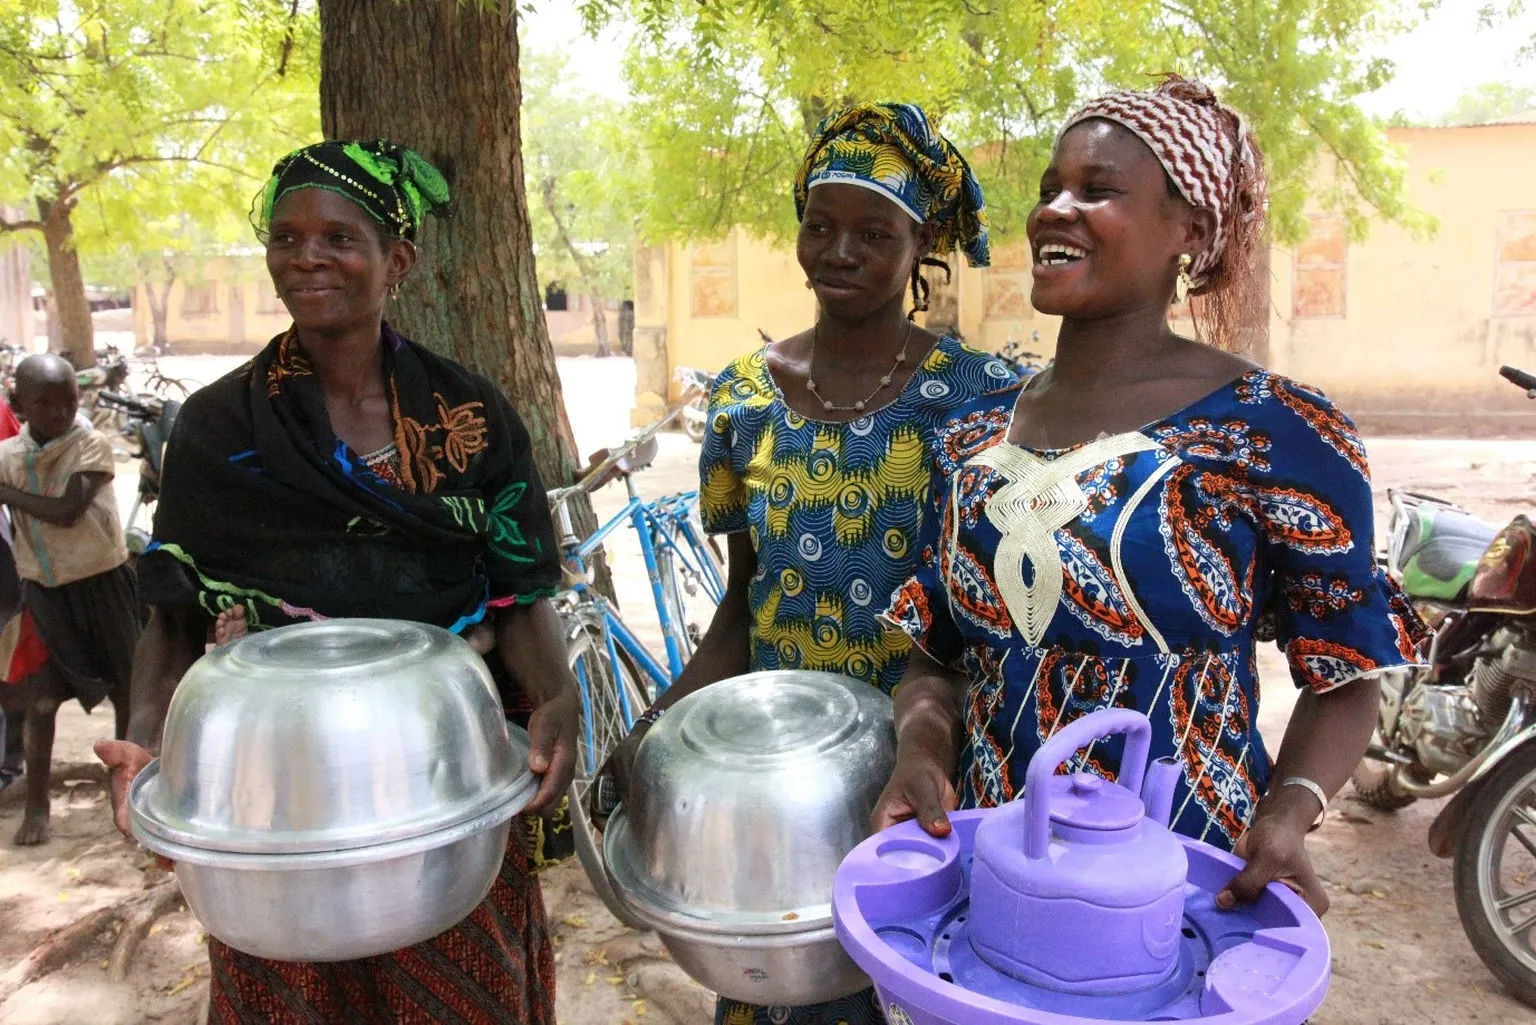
pixel 745 798
pixel 330 736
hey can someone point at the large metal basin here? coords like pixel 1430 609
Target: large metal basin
pixel 746 797
pixel 334 790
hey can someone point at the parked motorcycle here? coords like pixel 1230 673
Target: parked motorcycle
pixel 108 375
pixel 697 384
pixel 1465 723
pixel 150 422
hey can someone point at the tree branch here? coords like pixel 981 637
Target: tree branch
pixel 7 226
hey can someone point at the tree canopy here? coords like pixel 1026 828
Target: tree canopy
pixel 1489 102
pixel 117 114
pixel 724 94
pixel 582 193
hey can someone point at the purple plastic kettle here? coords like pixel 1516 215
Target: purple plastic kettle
pixel 1079 886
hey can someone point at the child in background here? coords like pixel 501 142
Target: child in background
pixel 12 755
pixel 56 477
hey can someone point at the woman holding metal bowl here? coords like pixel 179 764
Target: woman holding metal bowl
pixel 348 472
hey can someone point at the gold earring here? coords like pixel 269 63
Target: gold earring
pixel 809 284
pixel 1183 283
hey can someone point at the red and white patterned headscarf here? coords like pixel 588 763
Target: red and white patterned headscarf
pixel 1212 158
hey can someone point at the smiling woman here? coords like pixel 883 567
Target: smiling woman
pixel 348 472
pixel 1117 532
pixel 818 447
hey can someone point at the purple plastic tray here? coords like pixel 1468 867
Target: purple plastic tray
pixel 900 902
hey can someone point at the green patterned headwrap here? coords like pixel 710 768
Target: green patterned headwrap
pixel 397 186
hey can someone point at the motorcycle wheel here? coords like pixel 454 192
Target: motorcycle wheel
pixel 1370 782
pixel 1495 874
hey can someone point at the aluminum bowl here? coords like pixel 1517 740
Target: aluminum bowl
pixel 334 790
pixel 746 797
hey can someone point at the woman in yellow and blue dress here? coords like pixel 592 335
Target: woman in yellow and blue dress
pixel 817 460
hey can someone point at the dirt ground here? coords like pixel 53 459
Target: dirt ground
pixel 1400 957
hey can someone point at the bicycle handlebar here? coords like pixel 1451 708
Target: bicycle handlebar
pixel 590 481
pixel 124 402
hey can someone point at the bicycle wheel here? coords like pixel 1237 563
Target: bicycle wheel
pixel 604 723
pixel 169 387
pixel 689 601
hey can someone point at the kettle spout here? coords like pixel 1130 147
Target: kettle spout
pixel 1157 790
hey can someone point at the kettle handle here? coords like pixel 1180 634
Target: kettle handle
pixel 1106 722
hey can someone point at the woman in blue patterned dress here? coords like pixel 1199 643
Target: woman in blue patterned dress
pixel 818 461
pixel 1112 537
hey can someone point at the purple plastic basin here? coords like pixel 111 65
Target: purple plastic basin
pixel 901 906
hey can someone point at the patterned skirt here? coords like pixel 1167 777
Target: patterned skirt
pixel 496 966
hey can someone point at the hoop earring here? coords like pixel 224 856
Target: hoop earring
pixel 1183 284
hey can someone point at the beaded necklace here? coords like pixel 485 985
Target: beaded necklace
pixel 859 406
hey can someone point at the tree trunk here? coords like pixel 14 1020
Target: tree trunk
pixel 159 311
pixel 72 308
pixel 599 323
pixel 550 192
pixel 51 329
pixel 444 81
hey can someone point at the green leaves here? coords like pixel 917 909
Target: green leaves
pixel 582 188
pixel 149 117
pixel 725 93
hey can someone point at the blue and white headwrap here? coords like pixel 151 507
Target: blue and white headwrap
pixel 892 149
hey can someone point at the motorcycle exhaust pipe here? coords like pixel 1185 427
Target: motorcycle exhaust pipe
pixel 1513 722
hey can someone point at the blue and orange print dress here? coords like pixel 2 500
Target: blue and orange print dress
pixel 1132 572
pixel 834 510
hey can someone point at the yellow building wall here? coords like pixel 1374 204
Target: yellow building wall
pixel 1402 328
pixel 1418 327
pixel 227 306
pixel 718 296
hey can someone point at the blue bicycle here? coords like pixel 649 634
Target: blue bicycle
pixel 618 675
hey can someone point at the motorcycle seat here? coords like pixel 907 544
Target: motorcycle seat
pixel 1442 551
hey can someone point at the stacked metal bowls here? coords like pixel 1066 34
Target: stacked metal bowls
pixel 744 800
pixel 334 790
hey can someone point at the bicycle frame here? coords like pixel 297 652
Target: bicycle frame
pixel 655 524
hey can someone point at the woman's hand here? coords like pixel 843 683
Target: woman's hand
pixel 920 789
pixel 124 760
pixel 1276 851
pixel 552 754
pixel 620 768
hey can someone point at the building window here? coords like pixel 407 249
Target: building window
pixel 714 279
pixel 200 300
pixel 1514 275
pixel 1320 284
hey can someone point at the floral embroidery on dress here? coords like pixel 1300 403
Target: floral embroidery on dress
pixel 290 362
pixel 458 435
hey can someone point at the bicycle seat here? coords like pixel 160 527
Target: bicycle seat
pixel 1441 551
pixel 638 458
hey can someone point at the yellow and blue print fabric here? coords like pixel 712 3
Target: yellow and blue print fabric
pixel 893 149
pixel 834 510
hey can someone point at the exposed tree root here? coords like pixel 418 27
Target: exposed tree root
pixel 63 772
pixel 137 913
pixel 162 899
